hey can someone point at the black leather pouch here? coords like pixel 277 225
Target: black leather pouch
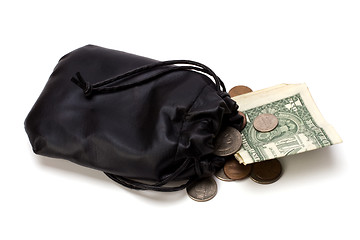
pixel 132 117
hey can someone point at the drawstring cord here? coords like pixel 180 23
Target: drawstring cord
pixel 158 186
pixel 102 87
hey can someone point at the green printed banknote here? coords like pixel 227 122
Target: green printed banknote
pixel 301 126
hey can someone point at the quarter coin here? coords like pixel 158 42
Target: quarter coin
pixel 202 190
pixel 227 142
pixel 222 176
pixel 236 171
pixel 239 90
pixel 265 122
pixel 266 172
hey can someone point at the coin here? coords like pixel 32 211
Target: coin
pixel 244 121
pixel 266 172
pixel 265 122
pixel 227 142
pixel 238 90
pixel 222 176
pixel 236 171
pixel 202 190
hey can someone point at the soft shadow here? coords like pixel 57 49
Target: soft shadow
pixel 69 168
pixel 311 164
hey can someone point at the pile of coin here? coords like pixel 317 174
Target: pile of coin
pixel 265 172
pixel 227 143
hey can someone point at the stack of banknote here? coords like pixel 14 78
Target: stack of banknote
pixel 301 127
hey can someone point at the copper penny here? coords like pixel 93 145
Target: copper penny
pixel 244 121
pixel 266 172
pixel 265 122
pixel 236 171
pixel 239 90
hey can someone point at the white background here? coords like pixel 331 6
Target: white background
pixel 253 43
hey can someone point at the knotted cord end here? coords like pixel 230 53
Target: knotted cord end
pixel 85 86
pixel 88 90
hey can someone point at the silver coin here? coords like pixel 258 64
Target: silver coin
pixel 227 142
pixel 202 190
pixel 222 176
pixel 265 122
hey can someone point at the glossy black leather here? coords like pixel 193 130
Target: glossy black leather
pixel 145 132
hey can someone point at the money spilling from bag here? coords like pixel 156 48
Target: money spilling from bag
pixel 279 121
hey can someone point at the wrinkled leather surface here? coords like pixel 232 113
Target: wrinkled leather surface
pixel 144 132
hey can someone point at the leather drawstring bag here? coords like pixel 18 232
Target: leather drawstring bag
pixel 132 117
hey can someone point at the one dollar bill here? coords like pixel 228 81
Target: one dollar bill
pixel 301 126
